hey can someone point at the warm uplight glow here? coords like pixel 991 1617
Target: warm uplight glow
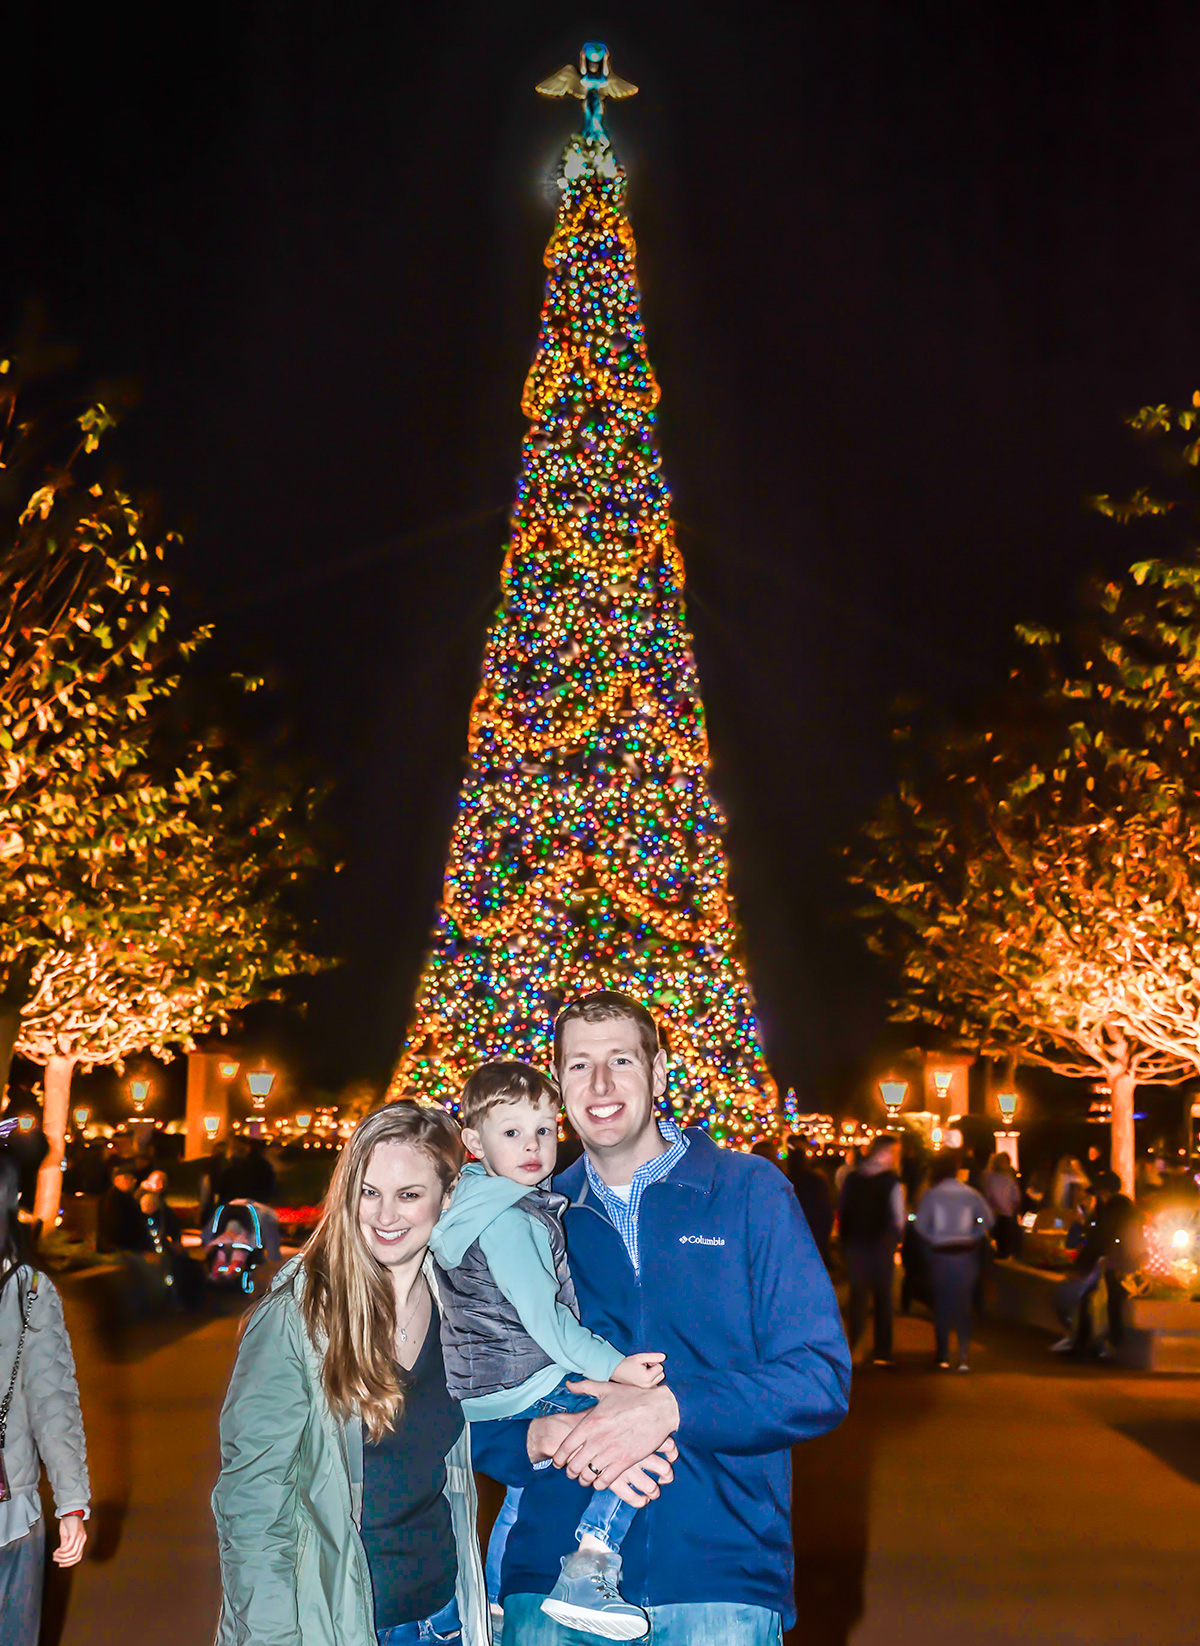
pixel 893 1093
pixel 1007 1104
pixel 1182 1240
pixel 228 1070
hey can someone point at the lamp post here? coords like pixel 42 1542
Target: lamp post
pixel 260 1082
pixel 893 1093
pixel 139 1091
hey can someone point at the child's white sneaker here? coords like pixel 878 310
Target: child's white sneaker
pixel 586 1597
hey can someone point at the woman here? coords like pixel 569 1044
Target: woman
pixel 953 1220
pixel 345 1505
pixel 1002 1192
pixel 43 1425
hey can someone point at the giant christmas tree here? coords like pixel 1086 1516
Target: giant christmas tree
pixel 587 849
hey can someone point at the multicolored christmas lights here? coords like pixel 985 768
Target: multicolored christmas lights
pixel 587 849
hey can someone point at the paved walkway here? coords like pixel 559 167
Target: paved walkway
pixel 1031 1502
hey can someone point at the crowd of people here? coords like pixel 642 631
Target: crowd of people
pixel 631 1346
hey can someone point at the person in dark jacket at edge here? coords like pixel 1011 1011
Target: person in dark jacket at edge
pixel 872 1219
pixel 705 1252
pixel 813 1193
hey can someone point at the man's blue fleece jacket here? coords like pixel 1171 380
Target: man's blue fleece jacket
pixel 733 1291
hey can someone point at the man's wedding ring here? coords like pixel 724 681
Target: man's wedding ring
pixel 594 1467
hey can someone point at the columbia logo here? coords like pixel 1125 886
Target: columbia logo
pixel 700 1240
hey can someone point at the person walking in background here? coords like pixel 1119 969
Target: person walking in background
pixel 40 1422
pixel 1002 1192
pixel 953 1220
pixel 813 1193
pixel 871 1222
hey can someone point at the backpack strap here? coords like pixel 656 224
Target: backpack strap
pixel 5 1404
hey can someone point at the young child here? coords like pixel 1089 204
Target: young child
pixel 511 1337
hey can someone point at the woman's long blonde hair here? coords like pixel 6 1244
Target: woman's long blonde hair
pixel 348 1298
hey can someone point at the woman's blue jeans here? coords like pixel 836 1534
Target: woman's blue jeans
pixel 21 1566
pixel 444 1628
pixel 606 1518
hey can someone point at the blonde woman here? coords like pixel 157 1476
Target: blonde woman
pixel 345 1505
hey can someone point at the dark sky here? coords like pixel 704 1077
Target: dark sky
pixel 905 268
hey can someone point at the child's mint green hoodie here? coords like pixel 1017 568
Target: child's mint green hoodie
pixel 510 1328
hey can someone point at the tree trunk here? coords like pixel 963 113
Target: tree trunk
pixel 14 997
pixel 1122 1087
pixel 55 1106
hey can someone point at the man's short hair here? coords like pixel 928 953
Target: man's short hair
pixel 605 1006
pixel 503 1082
pixel 885 1140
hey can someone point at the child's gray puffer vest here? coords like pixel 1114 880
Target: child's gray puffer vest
pixel 484 1345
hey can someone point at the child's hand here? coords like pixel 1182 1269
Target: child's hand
pixel 643 1371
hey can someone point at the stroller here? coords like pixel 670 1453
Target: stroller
pixel 233 1246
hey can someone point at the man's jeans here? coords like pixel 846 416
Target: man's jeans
pixel 444 1628
pixel 871 1269
pixel 717 1623
pixel 21 1587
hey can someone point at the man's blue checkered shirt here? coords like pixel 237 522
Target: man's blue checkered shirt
pixel 623 1214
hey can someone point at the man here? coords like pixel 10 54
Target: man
pixel 1113 1248
pixel 812 1191
pixel 122 1225
pixel 872 1220
pixel 702 1253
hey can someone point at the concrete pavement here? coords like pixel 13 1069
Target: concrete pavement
pixel 1028 1502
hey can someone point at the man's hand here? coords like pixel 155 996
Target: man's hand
pixel 640 1371
pixel 546 1434
pixel 625 1426
pixel 640 1485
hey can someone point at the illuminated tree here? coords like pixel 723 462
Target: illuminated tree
pixel 587 850
pixel 1038 881
pixel 83 657
pixel 191 929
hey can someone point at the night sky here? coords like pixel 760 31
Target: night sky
pixel 905 268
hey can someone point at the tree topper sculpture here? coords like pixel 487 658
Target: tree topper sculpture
pixel 591 83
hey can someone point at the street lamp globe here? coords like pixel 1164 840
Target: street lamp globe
pixel 1007 1104
pixel 893 1093
pixel 228 1069
pixel 260 1082
pixel 139 1091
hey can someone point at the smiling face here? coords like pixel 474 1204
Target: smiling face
pixel 518 1141
pixel 402 1198
pixel 609 1092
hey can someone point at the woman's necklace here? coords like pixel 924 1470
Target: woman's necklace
pixel 404 1328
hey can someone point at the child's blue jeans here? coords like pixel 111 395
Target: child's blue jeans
pixel 606 1518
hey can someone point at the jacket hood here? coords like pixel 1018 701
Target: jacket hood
pixel 477 1201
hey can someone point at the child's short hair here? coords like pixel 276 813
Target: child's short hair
pixel 503 1082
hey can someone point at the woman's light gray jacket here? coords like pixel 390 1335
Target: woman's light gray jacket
pixel 44 1421
pixel 288 1501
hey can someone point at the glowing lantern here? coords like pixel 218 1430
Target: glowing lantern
pixel 228 1069
pixel 893 1093
pixel 1007 1104
pixel 139 1091
pixel 260 1083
